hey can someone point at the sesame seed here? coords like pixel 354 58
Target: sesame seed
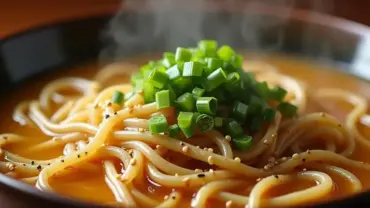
pixel 259 179
pixel 176 174
pixel 265 141
pixel 198 147
pixel 295 156
pixel 266 167
pixel 181 143
pixel 322 114
pixel 210 150
pixel 237 159
pixel 284 159
pixel 165 197
pixel 185 149
pixel 304 169
pixel 158 146
pixel 228 204
pixel 141 130
pixel 211 170
pixel 118 176
pixel 271 159
pixel 228 138
pixel 140 92
pixel 210 160
pixel 133 162
pixel 10 166
pixel 276 162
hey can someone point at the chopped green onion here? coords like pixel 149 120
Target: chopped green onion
pixel 242 143
pixel 208 47
pixel 205 122
pixel 149 92
pixel 255 124
pixel 215 79
pixel 233 81
pixel 139 85
pixel 158 78
pixel 207 105
pixel 228 67
pixel 225 52
pixel 173 130
pixel 262 89
pixel 169 55
pixel 186 102
pixel 255 106
pixel 278 93
pixel 168 59
pixel 234 129
pixel 188 132
pixel 287 109
pixel 182 84
pixel 240 111
pixel 198 92
pixel 158 124
pixel 117 97
pixel 185 119
pixel 218 122
pixel 213 64
pixel 268 114
pixel 182 54
pixel 136 76
pixel 163 99
pixel 192 69
pixel 173 72
pixel 237 61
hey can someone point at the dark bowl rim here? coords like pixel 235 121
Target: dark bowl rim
pixel 312 17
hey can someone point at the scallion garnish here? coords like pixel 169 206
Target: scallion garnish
pixel 182 54
pixel 117 97
pixel 240 111
pixel 186 102
pixel 163 99
pixel 205 122
pixel 234 129
pixel 218 122
pixel 207 105
pixel 192 69
pixel 242 143
pixel 215 79
pixel 197 92
pixel 158 78
pixel 173 130
pixel 278 93
pixel 269 114
pixel 287 109
pixel 158 124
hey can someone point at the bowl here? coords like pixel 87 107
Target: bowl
pixel 27 55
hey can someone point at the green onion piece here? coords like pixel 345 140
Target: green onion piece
pixel 255 106
pixel 186 102
pixel 218 122
pixel 233 82
pixel 215 79
pixel 117 97
pixel 188 132
pixel 182 54
pixel 149 92
pixel 158 78
pixel 240 111
pixel 173 72
pixel 182 84
pixel 139 85
pixel 237 61
pixel 163 99
pixel 225 52
pixel 208 47
pixel 169 55
pixel 185 119
pixel 205 122
pixel 198 92
pixel 287 109
pixel 192 69
pixel 255 124
pixel 278 93
pixel 129 95
pixel 213 64
pixel 262 89
pixel 168 59
pixel 136 76
pixel 242 143
pixel 234 129
pixel 268 114
pixel 207 105
pixel 158 124
pixel 228 67
pixel 173 130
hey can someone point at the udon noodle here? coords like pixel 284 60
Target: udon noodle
pixel 295 161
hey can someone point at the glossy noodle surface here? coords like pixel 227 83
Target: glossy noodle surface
pixel 62 134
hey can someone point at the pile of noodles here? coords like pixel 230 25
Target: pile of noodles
pixel 90 127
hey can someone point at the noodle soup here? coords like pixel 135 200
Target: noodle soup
pixel 69 136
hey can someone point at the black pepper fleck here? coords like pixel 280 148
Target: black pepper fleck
pixel 115 113
pixel 32 162
pixel 106 116
pixel 39 167
pixel 276 176
pixel 173 197
pixel 24 164
pixel 85 153
pixel 304 160
pixel 201 175
pixel 78 155
pixel 62 161
pixel 5 137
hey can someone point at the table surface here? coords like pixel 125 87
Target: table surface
pixel 19 15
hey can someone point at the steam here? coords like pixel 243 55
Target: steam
pixel 158 25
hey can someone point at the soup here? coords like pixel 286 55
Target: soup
pixel 287 133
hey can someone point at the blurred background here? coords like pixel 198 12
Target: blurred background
pixel 18 15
